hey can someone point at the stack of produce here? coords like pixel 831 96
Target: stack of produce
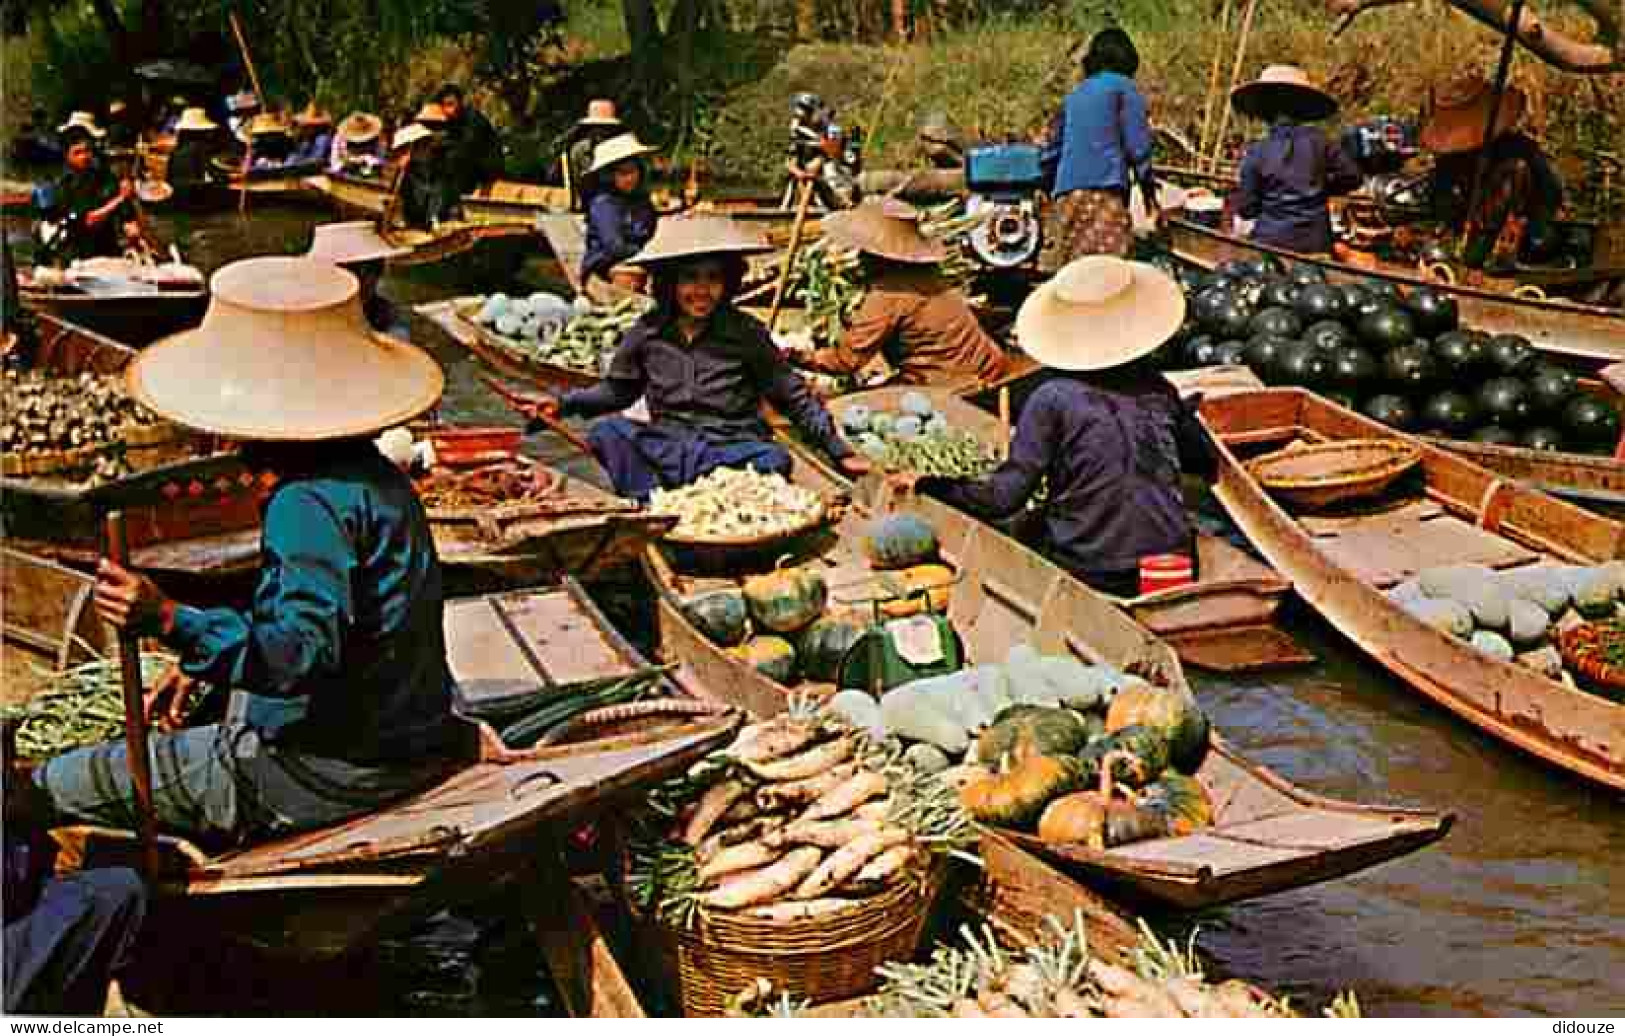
pixel 529 718
pixel 737 504
pixel 545 328
pixel 916 438
pixel 1515 615
pixel 491 486
pixel 1402 358
pixel 78 424
pixel 79 706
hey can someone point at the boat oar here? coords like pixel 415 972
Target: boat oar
pixel 259 97
pixel 796 228
pixel 519 400
pixel 135 711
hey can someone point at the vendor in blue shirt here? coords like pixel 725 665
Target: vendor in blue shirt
pixel 1287 177
pixel 620 216
pixel 345 622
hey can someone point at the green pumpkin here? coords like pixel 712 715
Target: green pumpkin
pixel 773 657
pixel 899 541
pixel 787 599
pixel 721 616
pixel 1170 712
pixel 1181 800
pixel 824 644
pixel 1050 731
pixel 1146 758
pixel 1015 796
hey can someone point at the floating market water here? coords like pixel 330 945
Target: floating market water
pixel 1520 910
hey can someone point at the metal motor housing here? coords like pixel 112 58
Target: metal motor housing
pixel 1003 181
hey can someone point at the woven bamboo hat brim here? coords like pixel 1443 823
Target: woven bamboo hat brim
pixel 357 241
pixel 1461 107
pixel 886 228
pixel 1284 88
pixel 196 119
pixel 406 136
pixel 284 354
pixel 689 237
pixel 84 122
pixel 600 113
pixel 313 116
pixel 431 114
pixel 1099 312
pixel 359 128
pixel 617 149
pixel 268 125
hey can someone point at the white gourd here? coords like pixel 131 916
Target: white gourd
pixel 910 715
pixel 1446 616
pixel 1492 644
pixel 1526 623
pixel 862 711
pixel 1409 590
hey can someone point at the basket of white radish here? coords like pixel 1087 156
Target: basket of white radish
pixel 802 854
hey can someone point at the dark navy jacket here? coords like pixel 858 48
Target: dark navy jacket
pixel 618 226
pixel 1284 183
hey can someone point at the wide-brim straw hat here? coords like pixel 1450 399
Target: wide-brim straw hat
pixel 284 354
pixel 1099 312
pixel 313 116
pixel 1284 89
pixel 1461 108
pixel 886 228
pixel 431 113
pixel 357 241
pixel 600 112
pixel 617 149
pixel 268 125
pixel 410 134
pixel 84 122
pixel 691 237
pixel 196 119
pixel 359 128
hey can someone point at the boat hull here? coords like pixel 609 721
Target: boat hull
pixel 135 320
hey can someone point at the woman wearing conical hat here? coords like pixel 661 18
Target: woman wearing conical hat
pixel 313 137
pixel 87 211
pixel 357 142
pixel 704 369
pixel 599 124
pixel 1287 177
pixel 341 653
pixel 620 217
pixel 1521 192
pixel 188 171
pixel 1106 431
pixel 923 326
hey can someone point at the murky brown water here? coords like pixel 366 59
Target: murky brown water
pixel 1520 910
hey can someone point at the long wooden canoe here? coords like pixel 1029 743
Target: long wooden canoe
pixel 134 317
pixel 323 893
pixel 1235 595
pixel 356 197
pixel 1592 334
pixel 1264 839
pixel 1456 512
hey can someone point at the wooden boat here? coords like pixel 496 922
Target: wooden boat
pixel 320 894
pixel 16 197
pixel 1227 614
pixel 126 313
pixel 1593 335
pixel 1264 839
pixel 367 198
pixel 287 184
pixel 455 317
pixel 1453 512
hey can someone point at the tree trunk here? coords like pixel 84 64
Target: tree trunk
pixel 643 29
pixel 117 34
pixel 806 20
pixel 899 20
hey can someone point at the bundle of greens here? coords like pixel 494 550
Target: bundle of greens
pixel 79 706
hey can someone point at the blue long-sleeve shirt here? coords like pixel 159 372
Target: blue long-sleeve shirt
pixel 346 614
pixel 618 226
pixel 1101 136
pixel 1284 182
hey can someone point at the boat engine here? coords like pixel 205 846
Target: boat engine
pixel 1003 181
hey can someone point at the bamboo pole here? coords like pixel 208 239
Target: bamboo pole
pixel 796 230
pixel 1235 80
pixel 135 712
pixel 1502 71
pixel 259 95
pixel 1203 142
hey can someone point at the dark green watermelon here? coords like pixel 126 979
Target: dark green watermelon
pixel 1317 302
pixel 1235 269
pixel 1450 412
pixel 1205 305
pixel 1229 318
pixel 1387 327
pixel 1303 364
pixel 1552 388
pixel 1281 293
pixel 1231 351
pixel 1306 274
pixel 1330 335
pixel 1591 422
pixel 1393 411
pixel 1276 320
pixel 1354 367
pixel 1355 296
pixel 1459 352
pixel 1512 355
pixel 1542 437
pixel 1250 289
pixel 1209 281
pixel 1505 401
pixel 1496 435
pixel 1264 352
pixel 1409 368
pixel 1383 289
pixel 1435 311
pixel 1202 351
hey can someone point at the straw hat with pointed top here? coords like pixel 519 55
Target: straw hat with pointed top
pixel 1099 312
pixel 196 119
pixel 410 134
pixel 689 237
pixel 886 228
pixel 617 149
pixel 268 125
pixel 84 122
pixel 313 116
pixel 1284 88
pixel 284 354
pixel 359 128
pixel 600 112
pixel 431 113
pixel 357 241
pixel 1461 107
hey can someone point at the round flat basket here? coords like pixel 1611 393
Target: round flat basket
pixel 1332 473
pixel 702 552
pixel 1586 649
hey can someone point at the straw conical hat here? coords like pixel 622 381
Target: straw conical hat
pixel 600 112
pixel 884 227
pixel 1284 88
pixel 196 119
pixel 357 241
pixel 1461 108
pixel 431 113
pixel 268 125
pixel 408 135
pixel 360 127
pixel 616 149
pixel 284 354
pixel 687 237
pixel 1099 312
pixel 83 121
pixel 313 116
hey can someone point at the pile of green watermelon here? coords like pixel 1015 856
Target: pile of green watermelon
pixel 1402 358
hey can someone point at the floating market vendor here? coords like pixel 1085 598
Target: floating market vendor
pixel 189 171
pixel 87 211
pixel 1521 192
pixel 313 137
pixel 599 124
pixel 703 367
pixel 620 216
pixel 473 155
pixel 241 108
pixel 1109 434
pixel 172 115
pixel 1287 177
pixel 358 247
pixel 346 619
pixel 425 196
pixel 270 141
pixel 357 144
pixel 121 128
pixel 922 325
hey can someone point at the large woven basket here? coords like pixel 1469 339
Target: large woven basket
pixel 818 960
pixel 1330 473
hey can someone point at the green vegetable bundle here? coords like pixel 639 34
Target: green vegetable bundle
pixel 79 706
pixel 946 454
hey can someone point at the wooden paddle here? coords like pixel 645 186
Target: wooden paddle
pixel 135 711
pixel 519 400
pixel 796 230
pixel 259 96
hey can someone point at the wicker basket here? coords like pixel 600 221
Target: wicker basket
pixel 1318 476
pixel 819 960
pixel 1582 648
